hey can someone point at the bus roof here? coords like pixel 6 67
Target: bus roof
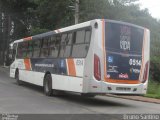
pixel 73 27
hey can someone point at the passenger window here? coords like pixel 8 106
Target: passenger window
pixel 44 49
pixel 20 51
pixel 45 42
pixel 70 38
pixel 54 51
pixel 64 39
pixel 36 44
pixel 88 36
pixel 30 49
pixel 81 46
pixel 36 47
pixel 54 46
pixel 24 47
pixel 13 52
pixel 67 51
pixel 44 52
pixel 52 41
pixel 80 36
pixel 66 45
pixel 80 50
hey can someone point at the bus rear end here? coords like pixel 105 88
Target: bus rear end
pixel 123 67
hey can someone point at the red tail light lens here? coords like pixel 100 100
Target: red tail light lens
pixel 97 68
pixel 145 75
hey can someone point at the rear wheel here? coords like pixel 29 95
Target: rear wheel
pixel 19 82
pixel 48 85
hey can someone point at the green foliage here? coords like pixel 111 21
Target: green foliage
pixel 36 16
pixel 155 67
pixel 155 70
pixel 37 30
pixel 54 14
pixel 153 89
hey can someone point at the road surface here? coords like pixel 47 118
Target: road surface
pixel 29 99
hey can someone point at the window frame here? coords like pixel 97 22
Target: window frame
pixel 40 48
pixel 86 29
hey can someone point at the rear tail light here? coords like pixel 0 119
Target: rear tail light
pixel 97 68
pixel 146 71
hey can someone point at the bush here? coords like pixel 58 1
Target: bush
pixel 155 71
pixel 153 89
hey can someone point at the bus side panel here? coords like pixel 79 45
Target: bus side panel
pixel 96 86
pixel 90 84
pixel 17 64
pixel 67 83
pixel 146 57
pixel 73 80
pixel 12 70
pixel 32 77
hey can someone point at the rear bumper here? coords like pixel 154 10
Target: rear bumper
pixel 115 88
pixel 134 89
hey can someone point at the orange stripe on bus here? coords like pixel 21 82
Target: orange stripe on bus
pixel 71 67
pixel 27 64
pixel 124 81
pixel 104 51
pixel 142 65
pixel 27 38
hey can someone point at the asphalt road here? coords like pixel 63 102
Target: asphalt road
pixel 29 99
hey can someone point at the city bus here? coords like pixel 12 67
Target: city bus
pixel 91 58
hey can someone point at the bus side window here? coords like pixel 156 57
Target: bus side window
pixel 30 49
pixel 68 47
pixel 80 36
pixel 36 47
pixel 80 47
pixel 44 49
pixel 63 45
pixel 14 51
pixel 66 42
pixel 88 36
pixel 19 51
pixel 54 46
pixel 24 49
pixel 70 39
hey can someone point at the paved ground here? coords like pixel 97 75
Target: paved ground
pixel 29 99
pixel 137 98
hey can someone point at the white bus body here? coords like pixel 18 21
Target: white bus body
pixel 113 63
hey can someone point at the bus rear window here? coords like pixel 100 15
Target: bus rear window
pixel 123 51
pixel 121 37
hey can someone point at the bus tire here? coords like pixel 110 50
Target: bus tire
pixel 19 82
pixel 48 85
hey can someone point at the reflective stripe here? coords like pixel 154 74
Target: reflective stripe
pixel 27 64
pixel 27 38
pixel 71 67
pixel 142 65
pixel 104 51
pixel 123 81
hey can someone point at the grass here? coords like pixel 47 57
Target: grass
pixel 153 89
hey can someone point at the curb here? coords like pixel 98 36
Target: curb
pixel 136 98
